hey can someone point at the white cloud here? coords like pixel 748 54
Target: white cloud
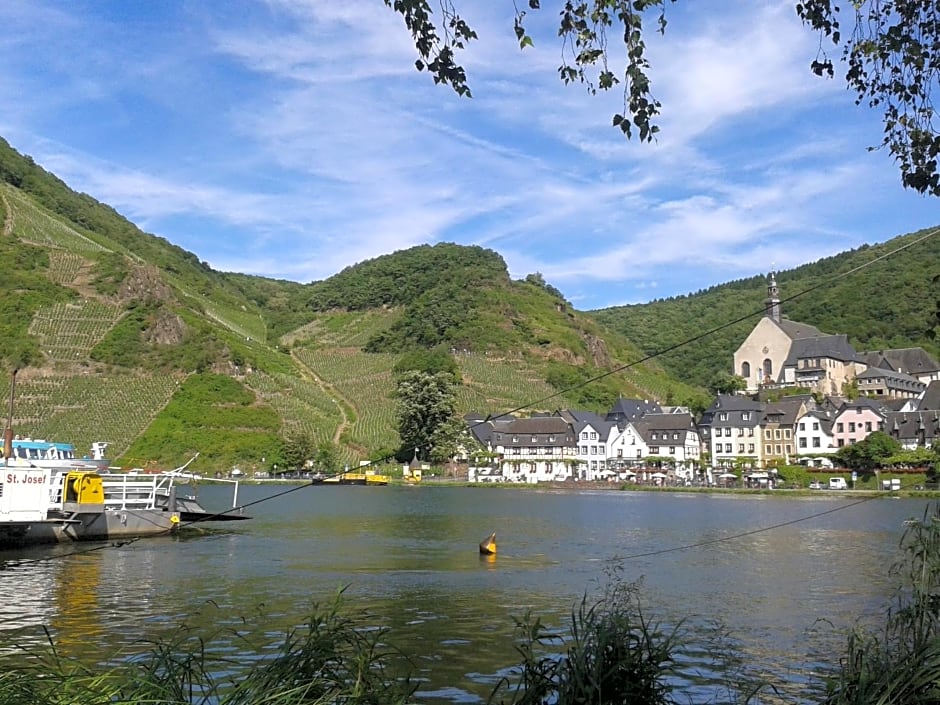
pixel 293 139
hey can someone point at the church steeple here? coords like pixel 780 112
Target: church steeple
pixel 772 302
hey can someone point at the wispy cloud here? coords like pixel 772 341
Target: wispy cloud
pixel 292 139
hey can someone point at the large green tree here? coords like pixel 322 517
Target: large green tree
pixel 868 454
pixel 426 406
pixel 891 51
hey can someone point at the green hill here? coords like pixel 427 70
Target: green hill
pixel 887 303
pixel 121 336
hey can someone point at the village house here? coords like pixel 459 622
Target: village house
pixel 730 430
pixel 537 449
pixel 814 435
pixel 778 429
pixel 594 437
pixel 880 382
pixel 855 420
pixel 915 362
pixel 913 429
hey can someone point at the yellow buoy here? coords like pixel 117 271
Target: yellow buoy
pixel 488 545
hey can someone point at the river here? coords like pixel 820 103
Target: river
pixel 785 576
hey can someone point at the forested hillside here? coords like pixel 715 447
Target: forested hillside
pixel 887 304
pixel 120 336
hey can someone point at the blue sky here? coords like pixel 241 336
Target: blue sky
pixel 292 138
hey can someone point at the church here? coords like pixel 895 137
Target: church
pixel 779 352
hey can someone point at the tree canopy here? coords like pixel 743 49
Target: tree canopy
pixel 891 53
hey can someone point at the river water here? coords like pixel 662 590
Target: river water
pixel 785 576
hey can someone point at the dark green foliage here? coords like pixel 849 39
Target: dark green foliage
pixel 24 288
pixel 430 361
pixel 296 450
pixel 124 344
pixel 868 454
pixel 110 271
pixel 215 416
pixel 426 402
pixel 403 277
pixel 886 305
pixel 572 380
pixel 613 653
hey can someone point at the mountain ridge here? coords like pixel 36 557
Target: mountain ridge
pixel 110 327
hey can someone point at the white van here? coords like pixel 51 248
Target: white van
pixel 837 483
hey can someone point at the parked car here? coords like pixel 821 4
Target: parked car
pixel 815 485
pixel 837 483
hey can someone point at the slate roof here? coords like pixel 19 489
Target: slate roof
pixel 833 347
pixel 541 428
pixel 931 398
pixel 734 406
pixel 784 412
pixel 824 417
pixel 912 361
pixel 893 380
pixel 796 331
pixel 665 422
pixel 630 409
pixel 920 426
pixel 574 416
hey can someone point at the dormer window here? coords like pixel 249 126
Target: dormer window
pixel 745 415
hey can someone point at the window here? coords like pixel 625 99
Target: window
pixel 815 425
pixel 851 427
pixel 746 369
pixel 653 436
pixel 727 447
pixel 777 433
pixel 723 416
pixel 778 449
pixel 839 427
pixel 768 434
pixel 858 410
pixel 802 426
pixel 840 443
pixel 675 436
pixel 768 367
pixel 593 450
pixel 620 452
pixel 816 442
pixel 593 436
pixel 548 451
pixel 583 435
pixel 672 450
pixel 750 447
pixel 740 447
pixel 535 439
pixel 768 449
pixel 868 425
pixel 788 448
pixel 584 450
pixel 786 433
pixel 654 450
pixel 745 415
pixel 802 442
pixel 750 431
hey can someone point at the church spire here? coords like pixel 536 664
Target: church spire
pixel 772 302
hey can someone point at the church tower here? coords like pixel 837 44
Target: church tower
pixel 772 302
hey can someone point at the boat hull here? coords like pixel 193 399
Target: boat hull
pixel 108 525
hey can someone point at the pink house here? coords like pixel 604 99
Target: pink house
pixel 855 420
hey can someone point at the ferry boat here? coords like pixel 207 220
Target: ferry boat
pixel 57 456
pixel 42 502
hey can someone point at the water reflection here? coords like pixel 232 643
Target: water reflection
pixel 409 556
